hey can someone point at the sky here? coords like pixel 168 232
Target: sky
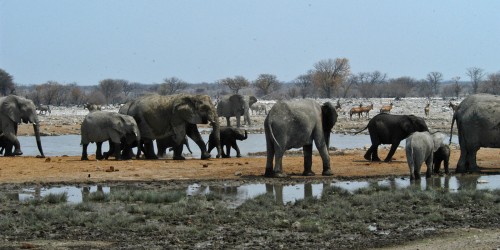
pixel 146 41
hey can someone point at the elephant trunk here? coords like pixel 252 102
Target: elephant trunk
pixel 246 135
pixel 216 133
pixel 36 129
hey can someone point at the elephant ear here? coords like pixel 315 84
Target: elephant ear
pixel 237 100
pixel 184 106
pixel 252 99
pixel 437 139
pixel 10 107
pixel 119 125
pixel 328 116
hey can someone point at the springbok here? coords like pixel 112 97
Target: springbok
pixel 366 109
pixel 386 108
pixel 356 110
pixel 426 109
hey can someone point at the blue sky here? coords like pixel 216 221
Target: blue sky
pixel 205 41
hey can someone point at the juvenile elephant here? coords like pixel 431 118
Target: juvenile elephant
pixel 235 106
pixel 478 122
pixel 294 124
pixel 100 126
pixel 173 116
pixel 14 110
pixel 168 142
pixel 442 155
pixel 391 129
pixel 228 137
pixel 420 148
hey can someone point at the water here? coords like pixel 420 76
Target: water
pixel 70 144
pixel 237 195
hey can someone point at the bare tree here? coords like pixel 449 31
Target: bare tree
pixel 7 85
pixel 111 89
pixel 304 84
pixel 235 84
pixel 400 87
pixel 266 84
pixel 434 78
pixel 456 86
pixel 172 85
pixel 76 95
pixel 476 76
pixel 370 83
pixel 492 84
pixel 329 74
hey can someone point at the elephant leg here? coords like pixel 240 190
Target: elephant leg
pixel 228 122
pixel 235 146
pixel 98 152
pixel 116 150
pixel 270 156
pixel 437 166
pixel 193 133
pixel 111 149
pixel 149 151
pixel 84 152
pixel 461 164
pixel 178 152
pixel 391 152
pixel 429 162
pixel 278 165
pixel 323 152
pixel 307 149
pixel 446 165
pixel 238 124
pixel 372 153
pixel 471 158
pixel 10 135
pixel 228 151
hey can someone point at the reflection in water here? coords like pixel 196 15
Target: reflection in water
pixel 283 194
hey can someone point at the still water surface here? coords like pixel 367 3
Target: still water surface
pixel 70 144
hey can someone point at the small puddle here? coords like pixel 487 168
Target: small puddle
pixel 237 195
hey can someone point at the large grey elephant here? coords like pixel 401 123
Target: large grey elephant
pixel 100 126
pixel 391 129
pixel 235 106
pixel 420 148
pixel 295 124
pixel 14 110
pixel 173 116
pixel 478 122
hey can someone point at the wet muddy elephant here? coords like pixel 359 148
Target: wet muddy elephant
pixel 14 110
pixel 295 124
pixel 173 116
pixel 391 129
pixel 478 122
pixel 228 137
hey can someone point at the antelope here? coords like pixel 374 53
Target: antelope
pixel 366 109
pixel 356 110
pixel 426 109
pixel 453 106
pixel 386 108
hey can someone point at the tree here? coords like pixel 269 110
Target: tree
pixel 370 83
pixel 456 86
pixel 7 85
pixel 492 84
pixel 111 89
pixel 266 84
pixel 172 85
pixel 235 84
pixel 476 76
pixel 400 87
pixel 329 74
pixel 304 84
pixel 434 78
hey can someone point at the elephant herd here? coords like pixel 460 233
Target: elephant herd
pixel 170 120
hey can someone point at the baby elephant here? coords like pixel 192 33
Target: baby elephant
pixel 100 126
pixel 228 137
pixel 442 155
pixel 420 148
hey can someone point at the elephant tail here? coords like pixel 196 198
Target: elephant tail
pixel 357 132
pixel 272 135
pixel 452 122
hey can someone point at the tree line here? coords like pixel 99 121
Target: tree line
pixel 329 78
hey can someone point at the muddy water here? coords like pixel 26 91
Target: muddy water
pixel 236 195
pixel 70 144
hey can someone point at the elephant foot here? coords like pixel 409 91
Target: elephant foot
pixel 327 172
pixel 84 158
pixel 205 156
pixel 308 173
pixel 269 172
pixel 152 157
pixel 179 158
pixel 18 152
pixel 105 155
pixel 238 156
pixel 99 157
pixel 279 175
pixel 367 157
pixel 387 160
pixel 226 156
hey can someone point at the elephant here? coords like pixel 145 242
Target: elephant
pixel 478 123
pixel 228 137
pixel 391 129
pixel 442 155
pixel 164 143
pixel 173 116
pixel 420 148
pixel 14 110
pixel 235 105
pixel 92 107
pixel 294 124
pixel 43 109
pixel 259 109
pixel 100 126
